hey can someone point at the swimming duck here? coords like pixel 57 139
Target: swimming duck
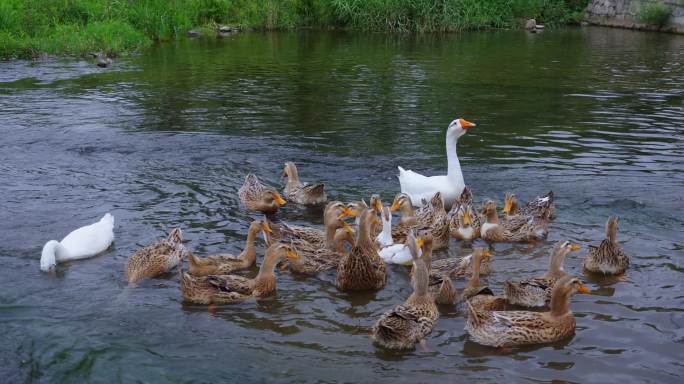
pixel 258 197
pixel 362 269
pixel 313 260
pixel 299 192
pixel 431 217
pixel 536 292
pixel 232 289
pixel 542 207
pixel 608 258
pixel 419 187
pixel 80 243
pixel 156 259
pixel 225 263
pixel 480 297
pixel 332 219
pixel 464 225
pixel 461 267
pixel 409 323
pixel 440 285
pixel 494 231
pixel 511 328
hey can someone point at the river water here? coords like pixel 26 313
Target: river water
pixel 164 139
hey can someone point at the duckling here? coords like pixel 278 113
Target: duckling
pixel 225 263
pixel 362 269
pixel 493 231
pixel 542 207
pixel 409 323
pixel 332 220
pixel 258 197
pixel 536 292
pixel 480 297
pixel 313 260
pixel 232 289
pixel 156 259
pixel 512 328
pixel 301 193
pixel 608 258
pixel 464 225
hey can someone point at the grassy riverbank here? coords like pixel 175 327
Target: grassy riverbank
pixel 29 28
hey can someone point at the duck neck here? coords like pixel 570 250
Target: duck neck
pixel 420 278
pixel 560 302
pixel 53 251
pixel 611 234
pixel 492 217
pixel 266 269
pixel 406 211
pixel 386 235
pixel 249 253
pixel 556 265
pixel 475 277
pixel 364 240
pixel 292 178
pixel 454 166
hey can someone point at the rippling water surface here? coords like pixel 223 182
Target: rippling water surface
pixel 164 139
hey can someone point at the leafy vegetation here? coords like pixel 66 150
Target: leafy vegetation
pixel 32 27
pixel 654 14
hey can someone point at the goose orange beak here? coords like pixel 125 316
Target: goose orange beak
pixel 465 124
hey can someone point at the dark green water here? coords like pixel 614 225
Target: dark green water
pixel 165 139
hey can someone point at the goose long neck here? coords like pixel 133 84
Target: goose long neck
pixel 454 166
pixel 249 253
pixel 560 301
pixel 53 250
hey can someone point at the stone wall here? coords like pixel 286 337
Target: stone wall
pixel 624 14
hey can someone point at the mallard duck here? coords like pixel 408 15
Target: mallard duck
pixel 156 259
pixel 461 267
pixel 225 263
pixel 409 323
pixel 493 231
pixel 480 297
pixel 542 207
pixel 80 243
pixel 332 220
pixel 464 225
pixel 440 285
pixel 313 260
pixel 231 289
pixel 511 328
pixel 258 197
pixel 420 187
pixel 431 217
pixel 536 292
pixel 402 202
pixel 608 258
pixel 299 192
pixel 362 269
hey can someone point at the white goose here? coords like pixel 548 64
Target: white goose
pixel 389 252
pixel 81 243
pixel 420 187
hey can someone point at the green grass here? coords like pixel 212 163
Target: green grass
pixel 654 14
pixel 32 27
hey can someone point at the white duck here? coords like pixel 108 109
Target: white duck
pixel 390 252
pixel 81 243
pixel 420 187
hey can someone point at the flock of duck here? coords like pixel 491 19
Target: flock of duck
pixel 432 209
